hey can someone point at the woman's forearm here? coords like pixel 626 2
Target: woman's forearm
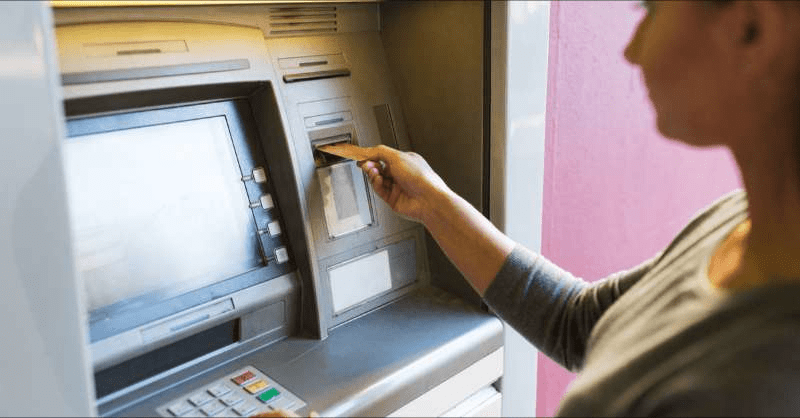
pixel 472 243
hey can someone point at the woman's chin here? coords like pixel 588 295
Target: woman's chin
pixel 678 132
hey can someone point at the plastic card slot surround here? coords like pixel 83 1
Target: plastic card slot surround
pixel 345 197
pixel 242 393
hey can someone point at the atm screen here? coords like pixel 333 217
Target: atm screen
pixel 161 212
pixel 157 210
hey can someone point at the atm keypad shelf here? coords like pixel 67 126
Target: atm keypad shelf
pixel 242 393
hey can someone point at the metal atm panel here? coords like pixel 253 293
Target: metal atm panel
pixel 304 335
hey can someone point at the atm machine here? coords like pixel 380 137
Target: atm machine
pixel 226 267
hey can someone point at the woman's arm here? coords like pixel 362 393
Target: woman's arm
pixel 553 309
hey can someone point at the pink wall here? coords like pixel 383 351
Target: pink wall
pixel 616 192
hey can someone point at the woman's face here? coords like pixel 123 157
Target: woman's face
pixel 686 75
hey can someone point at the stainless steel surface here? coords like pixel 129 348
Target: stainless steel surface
pixel 376 357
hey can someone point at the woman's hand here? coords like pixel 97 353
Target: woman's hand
pixel 404 180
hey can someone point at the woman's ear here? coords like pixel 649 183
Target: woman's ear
pixel 764 36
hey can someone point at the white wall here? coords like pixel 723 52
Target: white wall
pixel 43 362
pixel 520 40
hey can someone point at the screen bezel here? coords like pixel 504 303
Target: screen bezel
pixel 116 318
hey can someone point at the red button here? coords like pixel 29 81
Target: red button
pixel 239 380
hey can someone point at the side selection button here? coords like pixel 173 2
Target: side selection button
pixel 274 228
pixel 259 175
pixel 281 255
pixel 266 202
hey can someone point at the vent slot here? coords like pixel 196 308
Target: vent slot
pixel 302 20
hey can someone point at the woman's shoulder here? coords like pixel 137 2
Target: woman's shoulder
pixel 730 206
pixel 745 363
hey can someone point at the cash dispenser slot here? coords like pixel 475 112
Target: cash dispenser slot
pixel 173 325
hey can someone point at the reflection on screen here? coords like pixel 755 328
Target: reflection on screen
pixel 158 210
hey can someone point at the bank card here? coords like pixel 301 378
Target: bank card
pixel 349 151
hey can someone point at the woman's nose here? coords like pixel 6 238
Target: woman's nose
pixel 629 53
pixel 632 50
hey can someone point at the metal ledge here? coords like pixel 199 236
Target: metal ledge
pixel 371 365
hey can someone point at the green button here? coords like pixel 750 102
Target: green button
pixel 269 395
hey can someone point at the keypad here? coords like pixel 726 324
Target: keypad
pixel 243 393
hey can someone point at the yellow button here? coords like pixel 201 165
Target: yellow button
pixel 256 386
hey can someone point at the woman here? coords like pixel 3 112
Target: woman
pixel 711 325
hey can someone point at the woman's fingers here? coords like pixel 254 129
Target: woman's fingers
pixel 393 196
pixel 377 185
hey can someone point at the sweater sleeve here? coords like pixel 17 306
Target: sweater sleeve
pixel 550 307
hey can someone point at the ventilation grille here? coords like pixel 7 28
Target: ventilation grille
pixel 302 20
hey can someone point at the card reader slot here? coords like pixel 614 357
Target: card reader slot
pixel 313 63
pixel 316 75
pixel 139 51
pixel 323 159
